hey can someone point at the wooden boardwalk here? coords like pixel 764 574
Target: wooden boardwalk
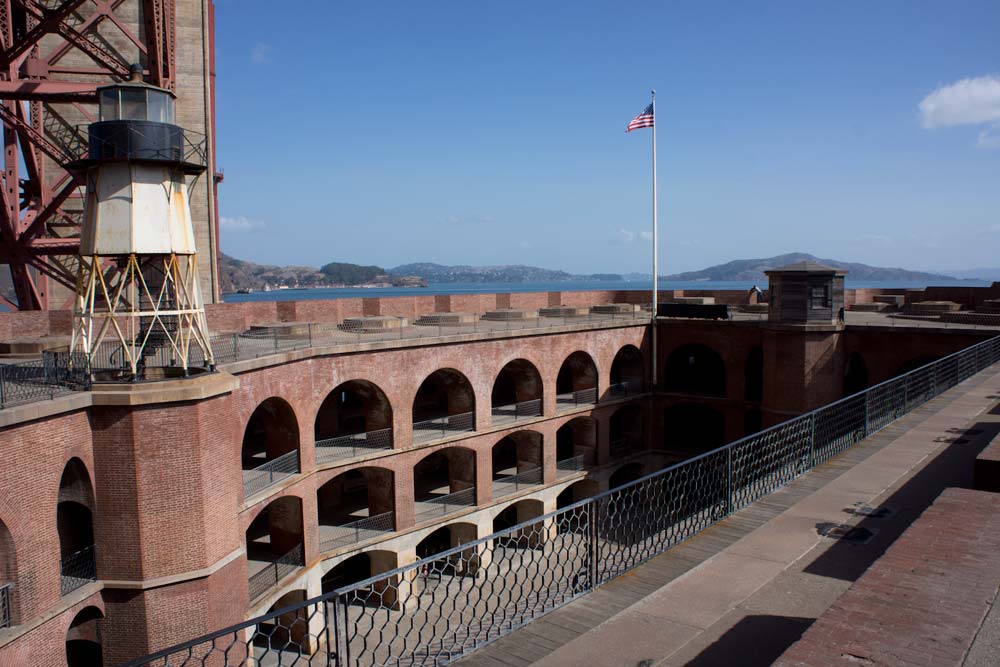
pixel 543 636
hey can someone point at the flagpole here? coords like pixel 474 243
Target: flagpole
pixel 655 246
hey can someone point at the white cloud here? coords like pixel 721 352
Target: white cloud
pixel 875 238
pixel 627 236
pixel 239 224
pixel 966 102
pixel 995 228
pixel 990 137
pixel 260 53
pixel 525 244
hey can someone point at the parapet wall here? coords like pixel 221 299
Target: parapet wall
pixel 233 317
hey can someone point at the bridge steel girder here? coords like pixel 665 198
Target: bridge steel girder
pixel 53 57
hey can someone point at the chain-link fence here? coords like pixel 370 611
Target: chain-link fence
pixel 434 610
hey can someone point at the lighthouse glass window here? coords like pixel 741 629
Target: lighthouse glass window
pixel 161 107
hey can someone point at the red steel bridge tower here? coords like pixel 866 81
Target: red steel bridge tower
pixel 54 54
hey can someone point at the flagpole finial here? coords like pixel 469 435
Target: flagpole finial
pixel 653 93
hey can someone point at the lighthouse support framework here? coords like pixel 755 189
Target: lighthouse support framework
pixel 54 54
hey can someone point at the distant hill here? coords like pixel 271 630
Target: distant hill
pixel 237 274
pixel 509 273
pixel 753 270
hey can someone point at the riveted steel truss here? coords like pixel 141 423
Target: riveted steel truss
pixel 54 54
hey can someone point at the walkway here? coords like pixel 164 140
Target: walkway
pixel 744 590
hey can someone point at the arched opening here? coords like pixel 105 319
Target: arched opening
pixel 274 544
pixel 445 404
pixel 384 593
pixel 289 631
pixel 753 376
pixel 855 374
pixel 517 463
pixel 83 639
pixel 462 563
pixel 354 418
pixel 8 574
pixel 75 524
pixel 625 474
pixel 517 392
pixel 530 537
pixel 692 428
pixel 627 372
pixel 575 492
pixel 576 446
pixel 695 369
pixel 627 432
pixel 357 568
pixel 576 383
pixel 444 482
pixel 355 506
pixel 270 446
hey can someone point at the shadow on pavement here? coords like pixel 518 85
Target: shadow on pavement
pixel 848 559
pixel 756 641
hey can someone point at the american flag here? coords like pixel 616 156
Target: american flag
pixel 645 119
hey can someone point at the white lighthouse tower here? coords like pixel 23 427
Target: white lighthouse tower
pixel 139 311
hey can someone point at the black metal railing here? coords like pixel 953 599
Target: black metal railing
pixel 6 613
pixel 78 569
pixel 274 571
pixel 435 611
pixel 270 473
pixel 39 379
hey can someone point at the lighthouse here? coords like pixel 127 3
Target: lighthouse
pixel 139 312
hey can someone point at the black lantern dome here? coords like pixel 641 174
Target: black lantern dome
pixel 137 124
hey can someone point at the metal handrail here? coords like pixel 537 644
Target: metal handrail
pixel 77 569
pixel 446 504
pixel 277 569
pixel 442 427
pixel 530 477
pixel 595 539
pixel 270 473
pixel 349 446
pixel 6 612
pixel 625 389
pixel 572 464
pixel 577 398
pixel 358 531
pixel 520 410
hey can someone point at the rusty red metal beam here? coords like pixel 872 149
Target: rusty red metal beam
pixel 34 193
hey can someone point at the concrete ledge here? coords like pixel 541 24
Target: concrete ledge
pixel 168 391
pixel 923 602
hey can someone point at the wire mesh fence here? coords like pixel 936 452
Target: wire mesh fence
pixel 354 532
pixel 78 569
pixel 270 473
pixel 5 606
pixel 441 427
pixel 432 611
pixel 273 571
pixel 349 446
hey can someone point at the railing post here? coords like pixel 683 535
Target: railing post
pixel 592 545
pixel 812 441
pixel 868 398
pixel 730 502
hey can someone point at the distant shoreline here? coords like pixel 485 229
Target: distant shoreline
pixel 317 293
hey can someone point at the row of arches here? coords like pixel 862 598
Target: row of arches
pixel 361 503
pixel 357 417
pixel 73 525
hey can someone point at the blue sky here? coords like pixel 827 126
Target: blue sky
pixel 493 133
